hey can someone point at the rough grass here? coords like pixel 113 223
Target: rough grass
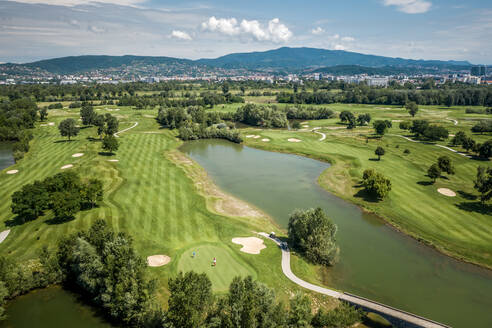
pixel 458 226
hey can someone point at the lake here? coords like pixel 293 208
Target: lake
pixel 375 261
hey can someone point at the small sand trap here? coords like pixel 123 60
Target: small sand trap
pixel 66 166
pixel 293 140
pixel 305 126
pixel 251 245
pixel 252 136
pixel 13 172
pixel 113 160
pixel 256 137
pixel 158 260
pixel 51 123
pixel 265 140
pixel 304 123
pixel 4 235
pixel 78 155
pixel 446 192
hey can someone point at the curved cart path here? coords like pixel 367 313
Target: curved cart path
pixel 353 299
pixel 124 130
pixel 441 146
pixel 323 136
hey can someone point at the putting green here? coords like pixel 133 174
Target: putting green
pixel 228 265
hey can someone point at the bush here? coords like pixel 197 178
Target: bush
pixel 344 315
pixel 312 234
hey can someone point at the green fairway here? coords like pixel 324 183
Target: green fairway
pixel 458 226
pixel 228 264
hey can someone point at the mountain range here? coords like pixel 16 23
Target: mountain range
pixel 282 60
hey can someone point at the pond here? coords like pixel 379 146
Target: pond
pixel 6 156
pixel 51 307
pixel 375 261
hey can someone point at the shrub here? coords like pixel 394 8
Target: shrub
pixel 376 184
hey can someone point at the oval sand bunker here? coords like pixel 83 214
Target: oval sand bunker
pixel 78 155
pixel 12 172
pixel 293 140
pixel 113 160
pixel 251 245
pixel 446 192
pixel 158 260
pixel 66 166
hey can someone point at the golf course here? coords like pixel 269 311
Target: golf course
pixel 188 201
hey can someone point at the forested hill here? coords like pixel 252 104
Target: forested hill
pixel 288 58
pixel 279 60
pixel 74 64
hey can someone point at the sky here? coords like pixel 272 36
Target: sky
pixel 419 29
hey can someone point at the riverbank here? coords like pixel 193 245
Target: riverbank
pixel 414 207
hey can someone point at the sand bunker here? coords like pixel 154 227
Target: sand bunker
pixel 113 160
pixel 251 245
pixel 51 123
pixel 304 123
pixel 78 155
pixel 265 140
pixel 66 166
pixel 305 126
pixel 446 192
pixel 12 171
pixel 158 260
pixel 255 136
pixel 4 235
pixel 293 140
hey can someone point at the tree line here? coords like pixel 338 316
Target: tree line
pixel 105 268
pixel 64 193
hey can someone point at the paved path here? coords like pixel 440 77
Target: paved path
pixel 454 121
pixel 4 235
pixel 323 136
pixel 441 146
pixel 353 299
pixel 124 130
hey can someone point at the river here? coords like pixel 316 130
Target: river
pixel 376 261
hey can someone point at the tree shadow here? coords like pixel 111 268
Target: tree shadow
pixel 374 159
pixel 105 153
pixel 93 139
pixel 425 183
pixel 366 196
pixel 476 207
pixel 16 221
pixel 467 195
pixel 57 220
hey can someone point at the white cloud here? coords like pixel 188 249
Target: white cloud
pixel 317 31
pixel 71 3
pixel 275 31
pixel 181 35
pixel 223 25
pixel 339 47
pixel 410 6
pixel 348 39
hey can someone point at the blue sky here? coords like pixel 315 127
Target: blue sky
pixel 418 29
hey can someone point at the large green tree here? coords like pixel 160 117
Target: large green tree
pixel 434 172
pixel 376 184
pixel 379 152
pixel 313 234
pixel 483 183
pixel 190 299
pixel 412 108
pixel 110 143
pixel 68 128
pixel 445 165
pixel 87 114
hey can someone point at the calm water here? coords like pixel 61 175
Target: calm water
pixel 50 308
pixel 376 261
pixel 6 158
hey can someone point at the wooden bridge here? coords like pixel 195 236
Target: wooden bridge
pixel 396 317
